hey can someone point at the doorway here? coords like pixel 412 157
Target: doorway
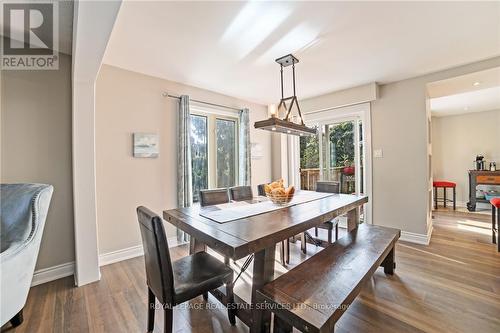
pixel 341 152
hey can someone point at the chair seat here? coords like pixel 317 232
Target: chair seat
pixel 197 273
pixel 495 202
pixel 443 183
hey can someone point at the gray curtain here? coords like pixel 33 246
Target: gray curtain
pixel 244 148
pixel 184 174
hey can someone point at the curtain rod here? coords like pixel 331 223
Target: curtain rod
pixel 165 94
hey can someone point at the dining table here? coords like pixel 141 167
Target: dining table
pixel 253 228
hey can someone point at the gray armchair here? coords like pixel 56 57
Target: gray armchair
pixel 23 212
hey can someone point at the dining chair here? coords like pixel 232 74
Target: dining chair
pixel 328 187
pixel 261 190
pixel 214 197
pixel 240 193
pixel 284 245
pixel 173 283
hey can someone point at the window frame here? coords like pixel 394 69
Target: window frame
pixel 212 114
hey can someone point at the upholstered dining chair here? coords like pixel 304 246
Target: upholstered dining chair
pixel 173 283
pixel 328 187
pixel 240 193
pixel 261 190
pixel 214 197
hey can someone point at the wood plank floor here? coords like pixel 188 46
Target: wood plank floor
pixel 452 285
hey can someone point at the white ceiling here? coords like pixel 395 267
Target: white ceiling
pixel 230 47
pixel 465 83
pixel 472 101
pixel 474 92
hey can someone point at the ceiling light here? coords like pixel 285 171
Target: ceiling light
pixel 286 125
pixel 475 84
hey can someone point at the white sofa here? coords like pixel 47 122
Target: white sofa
pixel 23 213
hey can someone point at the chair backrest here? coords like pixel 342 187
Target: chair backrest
pixel 240 193
pixel 328 187
pixel 261 190
pixel 159 272
pixel 214 197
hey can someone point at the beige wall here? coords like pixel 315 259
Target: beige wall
pixel 356 95
pixel 128 102
pixel 400 177
pixel 36 147
pixel 456 140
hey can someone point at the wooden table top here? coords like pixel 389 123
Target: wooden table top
pixel 239 238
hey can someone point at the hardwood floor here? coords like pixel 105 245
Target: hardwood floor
pixel 452 285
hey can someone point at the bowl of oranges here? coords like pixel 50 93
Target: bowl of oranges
pixel 278 194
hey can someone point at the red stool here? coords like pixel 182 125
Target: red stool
pixel 444 184
pixel 495 210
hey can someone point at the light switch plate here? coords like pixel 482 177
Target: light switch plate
pixel 378 153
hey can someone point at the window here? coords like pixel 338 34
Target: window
pixel 225 132
pixel 214 149
pixel 199 153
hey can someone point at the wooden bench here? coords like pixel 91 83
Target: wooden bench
pixel 313 296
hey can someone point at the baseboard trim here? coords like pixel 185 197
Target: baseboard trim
pixel 129 253
pixel 463 204
pixel 412 237
pixel 120 255
pixel 48 274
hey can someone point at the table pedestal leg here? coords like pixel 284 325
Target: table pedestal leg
pixel 196 246
pixel 263 272
pixel 352 219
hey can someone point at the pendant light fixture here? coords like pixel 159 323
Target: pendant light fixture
pixel 286 125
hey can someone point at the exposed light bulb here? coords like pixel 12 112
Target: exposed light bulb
pixel 272 110
pixel 475 84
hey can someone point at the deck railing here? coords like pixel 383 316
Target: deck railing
pixel 309 178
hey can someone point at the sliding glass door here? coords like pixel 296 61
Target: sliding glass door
pixel 335 154
pixel 340 152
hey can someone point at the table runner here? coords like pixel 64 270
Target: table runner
pixel 241 209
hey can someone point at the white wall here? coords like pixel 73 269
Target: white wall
pixel 456 140
pixel 129 102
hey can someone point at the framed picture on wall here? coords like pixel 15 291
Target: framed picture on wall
pixel 146 145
